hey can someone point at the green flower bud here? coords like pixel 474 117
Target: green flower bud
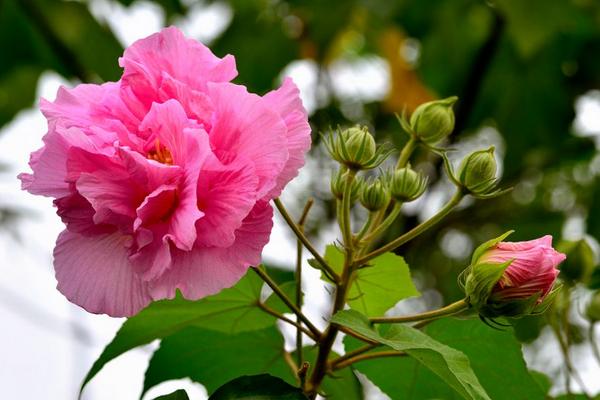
pixel 579 265
pixel 433 121
pixel 407 184
pixel 477 172
pixel 337 185
pixel 355 148
pixel 593 308
pixel 375 195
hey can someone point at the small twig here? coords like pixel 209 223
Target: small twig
pixel 286 216
pixel 289 360
pixel 301 221
pixel 277 290
pixel 355 352
pixel 356 335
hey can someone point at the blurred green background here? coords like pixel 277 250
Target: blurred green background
pixel 527 74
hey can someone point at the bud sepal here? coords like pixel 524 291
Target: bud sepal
pixel 355 148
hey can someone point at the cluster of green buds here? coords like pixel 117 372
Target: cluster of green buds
pixel 407 184
pixel 355 148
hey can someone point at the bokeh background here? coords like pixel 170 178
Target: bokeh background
pixel 528 77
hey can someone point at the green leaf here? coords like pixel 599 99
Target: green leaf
pixel 449 364
pixel 378 287
pixel 213 358
pixel 232 310
pixel 289 288
pixel 176 395
pixel 495 358
pixel 258 387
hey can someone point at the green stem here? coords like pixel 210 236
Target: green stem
pixel 365 228
pixel 416 231
pixel 277 290
pixel 385 224
pixel 406 152
pixel 345 224
pixel 300 235
pixel 450 309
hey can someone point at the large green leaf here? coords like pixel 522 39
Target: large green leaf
pixel 232 310
pixel 213 358
pixel 378 287
pixel 449 364
pixel 495 358
pixel 258 387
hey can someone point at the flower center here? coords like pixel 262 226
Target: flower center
pixel 160 153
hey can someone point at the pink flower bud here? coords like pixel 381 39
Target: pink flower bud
pixel 532 271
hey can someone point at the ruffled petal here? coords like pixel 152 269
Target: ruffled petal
pixel 208 270
pixel 168 52
pixel 245 126
pixel 226 194
pixel 545 241
pixel 94 272
pixel 286 101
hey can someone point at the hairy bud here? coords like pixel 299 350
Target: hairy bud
pixel 477 172
pixel 337 185
pixel 355 148
pixel 407 184
pixel 375 195
pixel 433 121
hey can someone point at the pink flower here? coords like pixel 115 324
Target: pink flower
pixel 531 272
pixel 163 178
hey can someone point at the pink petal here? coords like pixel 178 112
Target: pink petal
pixel 286 101
pixel 208 270
pixel 545 241
pixel 94 272
pixel 168 51
pixel 245 126
pixel 226 194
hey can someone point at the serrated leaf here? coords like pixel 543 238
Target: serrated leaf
pixel 495 357
pixel 451 365
pixel 258 387
pixel 213 358
pixel 378 287
pixel 232 310
pixel 176 395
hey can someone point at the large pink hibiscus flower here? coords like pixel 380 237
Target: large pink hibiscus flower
pixel 163 178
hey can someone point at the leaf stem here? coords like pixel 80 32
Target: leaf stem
pixel 385 223
pixel 300 235
pixel 368 356
pixel 416 231
pixel 345 224
pixel 277 290
pixel 450 309
pixel 299 248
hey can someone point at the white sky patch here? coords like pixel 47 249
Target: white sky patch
pixel 205 22
pixel 366 78
pixel 587 119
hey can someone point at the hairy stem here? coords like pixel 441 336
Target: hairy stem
pixel 300 235
pixel 277 290
pixel 389 220
pixel 416 231
pixel 450 309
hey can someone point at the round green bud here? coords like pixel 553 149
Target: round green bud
pixel 407 184
pixel 477 172
pixel 355 147
pixel 433 121
pixel 338 181
pixel 375 195
pixel 593 308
